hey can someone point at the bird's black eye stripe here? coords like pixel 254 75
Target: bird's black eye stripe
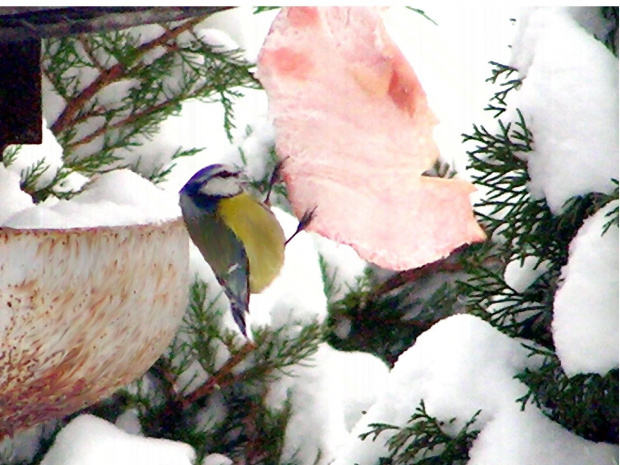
pixel 228 174
pixel 221 174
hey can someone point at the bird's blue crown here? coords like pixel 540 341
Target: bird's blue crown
pixel 194 188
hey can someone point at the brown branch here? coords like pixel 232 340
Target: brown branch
pixel 89 51
pixel 408 276
pixel 112 74
pixel 223 377
pixel 162 371
pixel 103 129
pixel 124 122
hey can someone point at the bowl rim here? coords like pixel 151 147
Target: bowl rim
pixel 158 224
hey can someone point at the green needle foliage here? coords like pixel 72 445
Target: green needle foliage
pixel 117 87
pixel 524 227
pixel 249 429
pixel 611 38
pixel 225 410
pixel 521 228
pixel 586 404
pixel 422 440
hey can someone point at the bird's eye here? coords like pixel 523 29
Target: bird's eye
pixel 228 174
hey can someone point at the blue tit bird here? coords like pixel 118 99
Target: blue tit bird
pixel 237 234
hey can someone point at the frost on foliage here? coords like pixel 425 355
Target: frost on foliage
pixel 88 440
pixel 569 99
pixel 459 366
pixel 585 313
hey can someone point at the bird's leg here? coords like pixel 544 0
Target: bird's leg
pixel 275 176
pixel 303 223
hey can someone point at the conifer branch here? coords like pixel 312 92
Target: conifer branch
pixel 422 440
pixel 221 378
pixel 111 74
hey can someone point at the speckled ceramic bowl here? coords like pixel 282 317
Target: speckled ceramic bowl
pixel 83 312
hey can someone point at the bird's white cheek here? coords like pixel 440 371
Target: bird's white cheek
pixel 224 187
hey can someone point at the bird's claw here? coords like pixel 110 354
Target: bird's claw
pixel 305 220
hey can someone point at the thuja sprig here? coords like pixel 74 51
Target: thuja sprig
pixel 585 404
pixel 241 381
pixel 385 317
pixel 276 351
pixel 500 74
pixel 612 215
pixel 422 440
pixel 152 80
pixel 160 174
pixel 10 155
pixel 519 314
pixel 525 227
pixel 611 37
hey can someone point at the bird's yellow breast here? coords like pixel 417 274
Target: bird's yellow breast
pixel 261 234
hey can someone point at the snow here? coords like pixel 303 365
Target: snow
pixel 317 416
pixel 129 422
pixel 592 21
pixel 219 40
pixel 534 439
pixel 459 366
pixel 115 198
pixel 24 446
pixel 343 266
pixel 569 99
pixel 28 156
pixel 361 378
pixel 585 310
pixel 88 440
pixel 295 297
pixel 217 459
pixel 12 198
pixel 521 274
pixel 327 396
pixel 243 27
pixel 213 415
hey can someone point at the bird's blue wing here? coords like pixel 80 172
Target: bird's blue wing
pixel 225 253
